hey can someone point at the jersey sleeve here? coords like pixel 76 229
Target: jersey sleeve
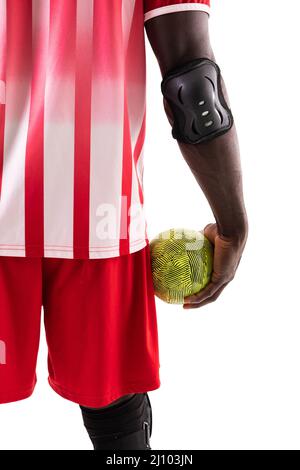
pixel 154 8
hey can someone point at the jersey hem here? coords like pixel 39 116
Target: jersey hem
pixel 67 252
pixel 103 400
pixel 175 9
pixel 133 247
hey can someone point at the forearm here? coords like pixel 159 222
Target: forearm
pixel 176 39
pixel 216 167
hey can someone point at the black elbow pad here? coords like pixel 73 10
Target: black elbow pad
pixel 195 96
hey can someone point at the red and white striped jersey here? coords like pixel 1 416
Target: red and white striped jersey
pixel 72 125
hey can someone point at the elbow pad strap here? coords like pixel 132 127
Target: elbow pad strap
pixel 194 94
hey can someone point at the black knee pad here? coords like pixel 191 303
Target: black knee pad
pixel 124 426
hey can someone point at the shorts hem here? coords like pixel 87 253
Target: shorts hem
pixel 103 400
pixel 17 396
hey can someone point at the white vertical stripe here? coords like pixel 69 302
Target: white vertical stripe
pixel 58 179
pixel 136 94
pixel 85 15
pixel 2 25
pixel 2 14
pixel 136 99
pixel 2 47
pixel 12 207
pixel 106 167
pixel 135 86
pixel 140 166
pixel 59 121
pixel 127 17
pixel 2 92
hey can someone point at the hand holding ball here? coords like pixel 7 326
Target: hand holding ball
pixel 182 263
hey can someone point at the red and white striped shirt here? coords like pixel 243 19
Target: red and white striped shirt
pixel 72 125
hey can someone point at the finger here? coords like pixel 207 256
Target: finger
pixel 208 291
pixel 209 300
pixel 200 300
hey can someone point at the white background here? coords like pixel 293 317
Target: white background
pixel 229 371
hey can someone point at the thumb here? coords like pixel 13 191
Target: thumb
pixel 211 232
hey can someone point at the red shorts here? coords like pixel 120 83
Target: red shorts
pixel 100 322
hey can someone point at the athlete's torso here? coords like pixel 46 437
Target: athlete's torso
pixel 72 125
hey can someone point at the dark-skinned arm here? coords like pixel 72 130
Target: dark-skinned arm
pixel 176 39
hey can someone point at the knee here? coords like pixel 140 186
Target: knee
pixel 125 424
pixel 113 403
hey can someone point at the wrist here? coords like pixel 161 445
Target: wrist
pixel 237 233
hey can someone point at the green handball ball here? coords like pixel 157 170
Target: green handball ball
pixel 182 262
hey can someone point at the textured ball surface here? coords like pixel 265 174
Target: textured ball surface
pixel 182 262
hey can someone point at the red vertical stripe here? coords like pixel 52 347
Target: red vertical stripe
pixel 34 168
pixel 137 152
pixel 83 93
pixel 126 183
